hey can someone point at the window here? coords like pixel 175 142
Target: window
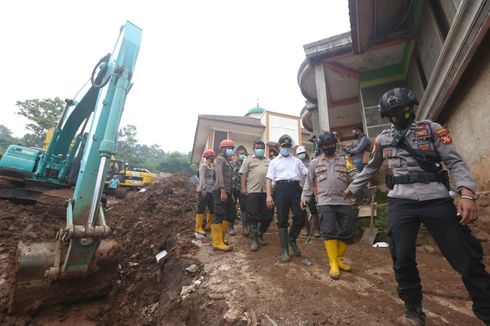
pixel 218 137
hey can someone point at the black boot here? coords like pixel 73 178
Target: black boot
pixel 414 315
pixel 293 235
pixel 254 233
pixel 283 240
pixel 245 226
pixel 261 239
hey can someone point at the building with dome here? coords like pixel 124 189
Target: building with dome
pixel 257 123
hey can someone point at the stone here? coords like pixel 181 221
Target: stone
pixel 232 316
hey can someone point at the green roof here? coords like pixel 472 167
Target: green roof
pixel 256 109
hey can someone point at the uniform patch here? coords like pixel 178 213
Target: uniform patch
pixel 387 152
pixel 421 133
pixel 424 147
pixel 443 134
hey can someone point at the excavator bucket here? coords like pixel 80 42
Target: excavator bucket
pixel 32 289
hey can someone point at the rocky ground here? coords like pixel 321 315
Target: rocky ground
pixel 237 288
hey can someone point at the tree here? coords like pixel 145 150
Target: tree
pixel 6 138
pixel 127 142
pixel 43 114
pixel 176 162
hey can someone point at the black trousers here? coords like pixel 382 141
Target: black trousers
pixel 242 202
pixel 337 222
pixel 288 196
pixel 203 202
pixel 258 212
pixel 456 242
pixel 223 210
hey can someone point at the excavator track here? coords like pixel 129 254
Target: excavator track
pixel 47 201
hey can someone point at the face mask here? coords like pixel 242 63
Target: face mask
pixel 301 156
pixel 402 119
pixel 285 151
pixel 259 152
pixel 229 152
pixel 329 151
pixel 241 157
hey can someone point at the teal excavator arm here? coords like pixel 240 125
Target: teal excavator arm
pixel 84 207
pixel 73 254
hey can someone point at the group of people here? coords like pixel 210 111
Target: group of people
pixel 419 193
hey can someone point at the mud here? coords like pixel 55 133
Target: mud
pixel 237 288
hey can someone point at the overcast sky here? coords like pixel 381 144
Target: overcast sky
pixel 196 57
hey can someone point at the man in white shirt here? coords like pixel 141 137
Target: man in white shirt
pixel 286 171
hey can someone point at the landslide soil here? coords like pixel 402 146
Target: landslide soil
pixel 237 288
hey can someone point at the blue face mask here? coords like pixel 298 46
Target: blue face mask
pixel 301 156
pixel 285 151
pixel 242 157
pixel 229 152
pixel 259 152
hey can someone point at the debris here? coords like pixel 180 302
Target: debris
pixel 142 190
pixel 197 242
pixel 192 268
pixel 270 320
pixel 232 316
pixel 161 255
pixel 187 290
pixel 381 245
pixel 133 264
pixel 307 262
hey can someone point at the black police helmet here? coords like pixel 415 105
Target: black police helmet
pixel 395 98
pixel 327 138
pixel 285 141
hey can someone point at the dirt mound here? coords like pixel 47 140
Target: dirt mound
pixel 144 224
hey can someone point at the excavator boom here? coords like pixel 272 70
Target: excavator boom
pixel 45 266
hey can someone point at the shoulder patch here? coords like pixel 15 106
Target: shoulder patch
pixel 444 136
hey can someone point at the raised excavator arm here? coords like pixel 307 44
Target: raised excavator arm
pixel 73 254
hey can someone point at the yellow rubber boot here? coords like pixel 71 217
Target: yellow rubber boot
pixel 225 227
pixel 342 248
pixel 332 252
pixel 209 221
pixel 199 220
pixel 217 237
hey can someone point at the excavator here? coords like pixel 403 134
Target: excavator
pixel 77 264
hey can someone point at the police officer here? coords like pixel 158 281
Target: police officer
pixel 205 191
pixel 357 153
pixel 312 226
pixel 224 205
pixel 332 174
pixel 285 171
pixel 414 151
pixel 253 172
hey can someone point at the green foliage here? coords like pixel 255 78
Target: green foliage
pixel 176 162
pixel 43 114
pixel 6 138
pixel 151 157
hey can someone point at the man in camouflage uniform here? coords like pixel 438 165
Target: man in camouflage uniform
pixel 240 155
pixel 224 205
pixel 419 194
pixel 332 173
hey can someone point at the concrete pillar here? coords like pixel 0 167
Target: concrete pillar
pixel 321 95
